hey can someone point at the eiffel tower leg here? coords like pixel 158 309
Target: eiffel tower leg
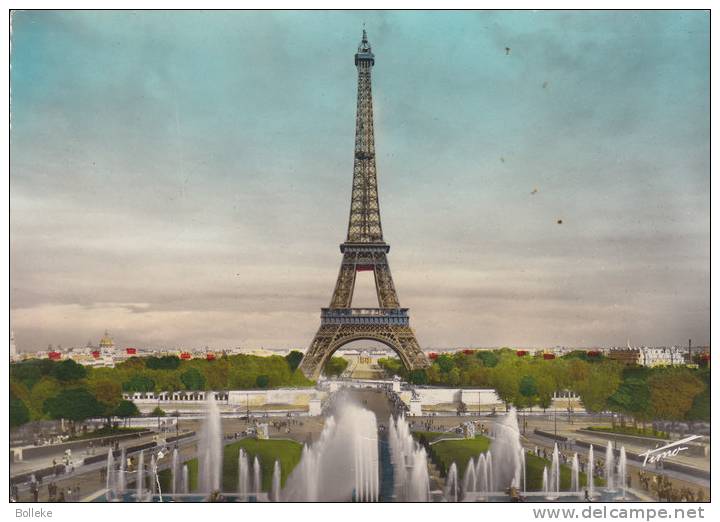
pixel 387 296
pixel 320 349
pixel 345 285
pixel 414 357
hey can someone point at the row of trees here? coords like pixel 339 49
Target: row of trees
pixel 72 404
pixel 644 394
pixel 46 389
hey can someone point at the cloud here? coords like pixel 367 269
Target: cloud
pixel 184 177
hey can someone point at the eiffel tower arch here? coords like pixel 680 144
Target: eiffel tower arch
pixel 364 250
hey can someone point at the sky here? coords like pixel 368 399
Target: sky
pixel 182 179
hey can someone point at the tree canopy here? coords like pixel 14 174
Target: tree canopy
pixel 672 392
pixel 193 379
pixel 525 381
pixel 166 362
pixel 19 412
pixel 294 358
pixel 126 409
pixel 68 370
pixel 519 379
pixel 158 412
pixel 34 382
pixel 335 366
pixel 75 404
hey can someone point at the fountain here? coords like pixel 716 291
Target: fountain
pixel 275 489
pixel 306 471
pixel 256 486
pixel 409 459
pixel 622 474
pixel 489 472
pixel 140 476
pixel 418 487
pixel 175 469
pixel 110 476
pixel 153 476
pixel 552 488
pixel 451 484
pixel 502 467
pixel 243 474
pixel 121 480
pixel 609 468
pixel 590 473
pixel 482 483
pixel 343 464
pixel 210 448
pixel 575 475
pixel 507 453
pixel 470 478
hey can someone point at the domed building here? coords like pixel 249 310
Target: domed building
pixel 106 343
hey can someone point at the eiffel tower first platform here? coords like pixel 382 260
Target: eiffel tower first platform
pixel 364 249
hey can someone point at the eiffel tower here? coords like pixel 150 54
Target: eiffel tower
pixel 364 249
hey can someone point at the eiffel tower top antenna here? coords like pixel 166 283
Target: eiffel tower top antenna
pixel 364 225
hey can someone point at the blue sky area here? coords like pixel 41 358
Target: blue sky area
pixel 183 178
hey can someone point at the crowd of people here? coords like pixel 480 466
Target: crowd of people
pixel 55 494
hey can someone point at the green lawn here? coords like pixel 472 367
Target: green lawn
pixel 165 476
pixel 535 465
pixel 460 451
pixel 287 452
pixel 425 437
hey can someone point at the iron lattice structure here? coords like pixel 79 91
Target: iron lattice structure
pixel 364 249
